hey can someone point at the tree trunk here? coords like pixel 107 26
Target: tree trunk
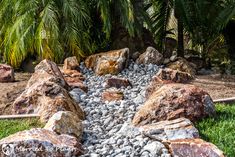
pixel 229 34
pixel 180 49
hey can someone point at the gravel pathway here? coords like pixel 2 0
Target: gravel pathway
pixel 107 129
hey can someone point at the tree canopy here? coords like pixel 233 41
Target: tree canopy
pixel 56 29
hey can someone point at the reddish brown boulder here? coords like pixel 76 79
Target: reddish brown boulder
pixel 40 143
pixel 46 97
pixel 180 128
pixel 173 101
pixel 75 79
pixel 194 148
pixel 165 76
pixel 6 73
pixel 112 95
pixel 44 70
pixel 183 65
pixel 71 63
pixel 171 76
pixel 150 56
pixel 117 82
pixel 72 73
pixel 111 62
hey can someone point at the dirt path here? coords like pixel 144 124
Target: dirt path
pixel 218 87
pixel 10 91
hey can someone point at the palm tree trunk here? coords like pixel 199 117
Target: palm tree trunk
pixel 180 49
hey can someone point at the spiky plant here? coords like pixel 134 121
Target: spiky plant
pixel 47 28
pixel 54 29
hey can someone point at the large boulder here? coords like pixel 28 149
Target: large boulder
pixel 193 148
pixel 46 97
pixel 165 76
pixel 180 128
pixel 65 122
pixel 44 70
pixel 173 101
pixel 150 56
pixel 171 76
pixel 183 65
pixel 111 62
pixel 40 143
pixel 71 63
pixel 6 73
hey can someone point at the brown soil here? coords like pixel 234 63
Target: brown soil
pixel 218 87
pixel 10 91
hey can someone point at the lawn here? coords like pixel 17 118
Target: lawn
pixel 220 130
pixel 8 127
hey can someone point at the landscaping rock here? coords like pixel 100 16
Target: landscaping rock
pixel 40 143
pixel 71 63
pixel 44 70
pixel 117 82
pixel 155 149
pixel 173 101
pixel 46 98
pixel 112 95
pixel 180 128
pixel 65 122
pixel 6 73
pixel 111 62
pixel 171 76
pixel 194 148
pixel 150 56
pixel 75 79
pixel 73 74
pixel 182 65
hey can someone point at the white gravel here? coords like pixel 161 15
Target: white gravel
pixel 107 129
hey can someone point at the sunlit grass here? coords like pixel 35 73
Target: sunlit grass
pixel 220 130
pixel 8 127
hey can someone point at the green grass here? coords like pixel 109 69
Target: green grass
pixel 8 127
pixel 220 130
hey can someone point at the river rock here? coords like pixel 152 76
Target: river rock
pixel 180 128
pixel 71 63
pixel 65 122
pixel 6 73
pixel 150 56
pixel 40 143
pixel 194 148
pixel 173 101
pixel 111 62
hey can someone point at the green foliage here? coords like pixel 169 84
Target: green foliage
pixel 8 127
pixel 55 29
pixel 205 19
pixel 220 129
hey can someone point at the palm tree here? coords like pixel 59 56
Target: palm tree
pixel 203 19
pixel 55 29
